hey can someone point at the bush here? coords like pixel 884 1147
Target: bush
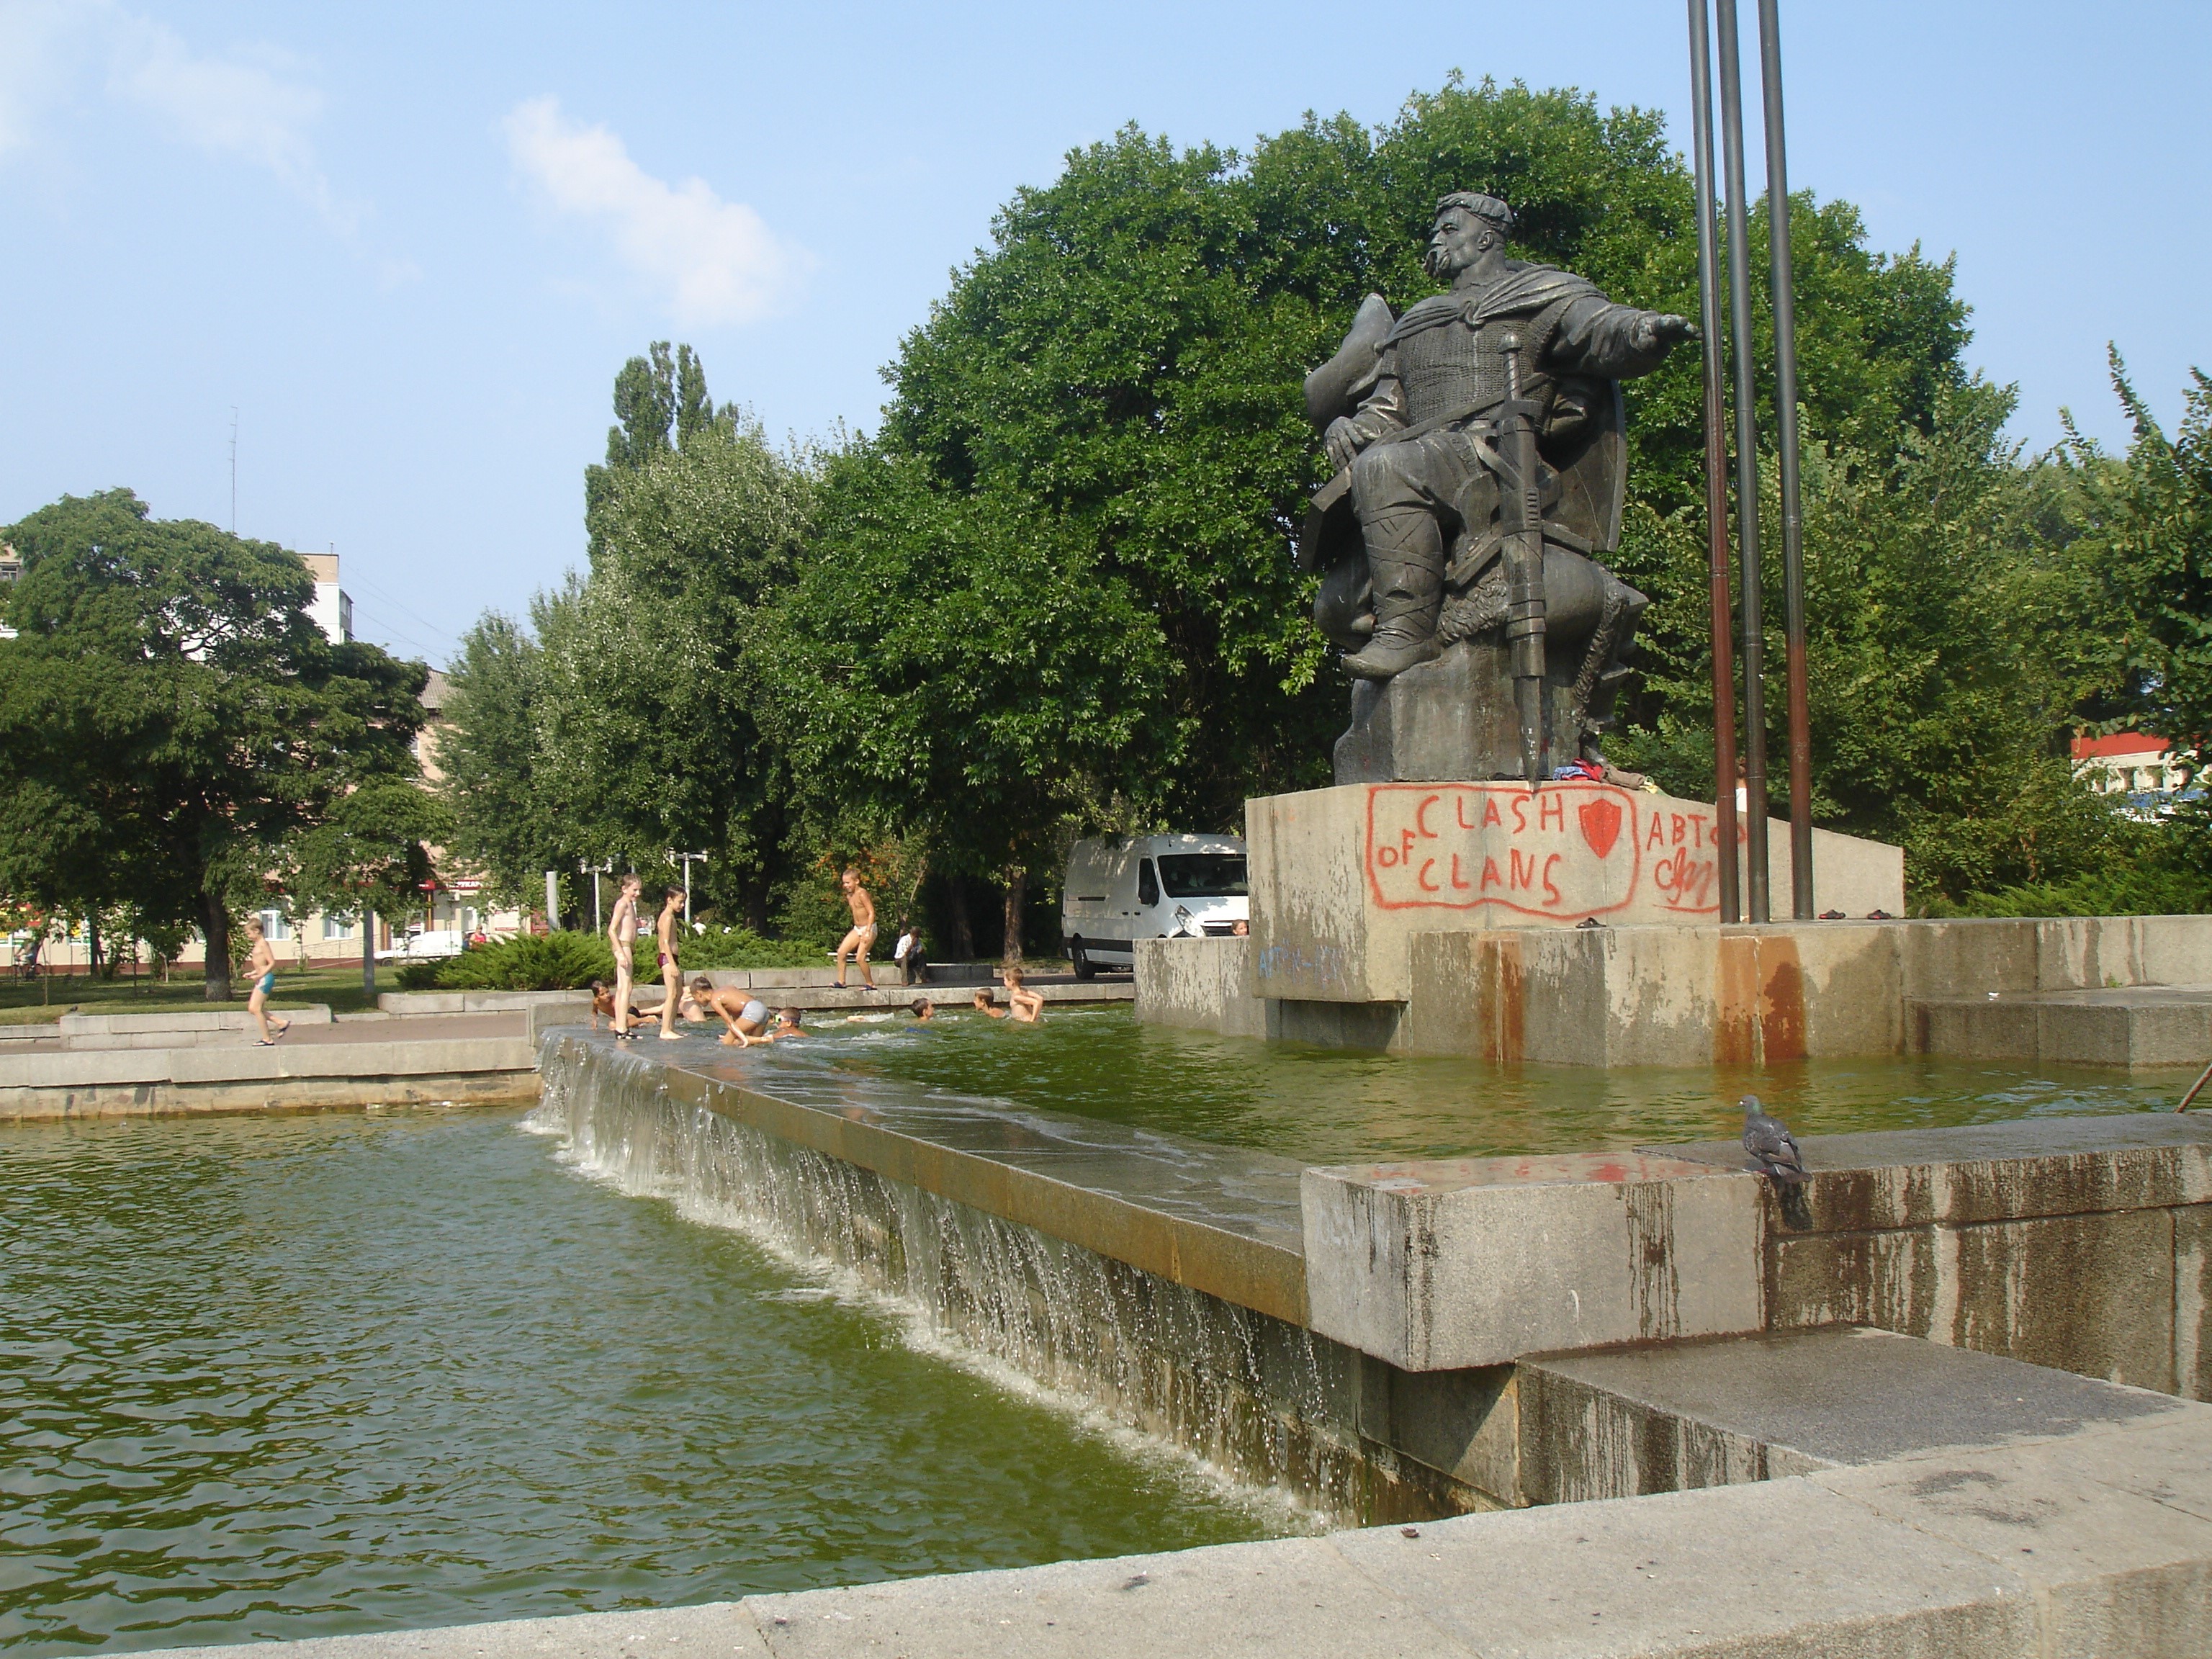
pixel 741 947
pixel 419 976
pixel 529 962
pixel 567 961
pixel 2132 890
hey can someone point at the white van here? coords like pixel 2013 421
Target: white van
pixel 1125 888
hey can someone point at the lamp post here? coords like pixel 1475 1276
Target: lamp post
pixel 585 867
pixel 687 860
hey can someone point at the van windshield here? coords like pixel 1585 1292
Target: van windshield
pixel 1203 875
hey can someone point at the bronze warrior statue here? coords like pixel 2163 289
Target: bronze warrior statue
pixel 1479 450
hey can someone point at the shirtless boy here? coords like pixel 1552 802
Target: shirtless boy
pixel 672 975
pixel 985 1005
pixel 621 934
pixel 745 1014
pixel 863 932
pixel 1025 1005
pixel 261 962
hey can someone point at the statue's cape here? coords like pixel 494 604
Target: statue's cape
pixel 1524 288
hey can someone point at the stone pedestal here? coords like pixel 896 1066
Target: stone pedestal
pixel 1454 718
pixel 1343 879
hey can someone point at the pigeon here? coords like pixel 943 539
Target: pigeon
pixel 1773 1149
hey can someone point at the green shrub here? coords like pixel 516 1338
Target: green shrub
pixel 530 962
pixel 567 960
pixel 741 947
pixel 419 976
pixel 2149 889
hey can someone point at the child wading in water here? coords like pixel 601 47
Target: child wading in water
pixel 621 934
pixel 672 975
pixel 261 962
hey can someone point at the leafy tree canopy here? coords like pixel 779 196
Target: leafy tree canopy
pixel 171 719
pixel 1123 364
pixel 627 722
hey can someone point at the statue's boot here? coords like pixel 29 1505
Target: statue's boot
pixel 1406 564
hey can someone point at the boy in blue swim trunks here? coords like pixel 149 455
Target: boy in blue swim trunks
pixel 261 962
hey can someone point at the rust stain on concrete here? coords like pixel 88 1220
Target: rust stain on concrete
pixel 1735 1019
pixel 1781 1000
pixel 1501 1008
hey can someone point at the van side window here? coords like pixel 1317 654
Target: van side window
pixel 1148 884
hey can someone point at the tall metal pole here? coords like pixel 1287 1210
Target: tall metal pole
pixel 1716 536
pixel 687 860
pixel 1786 430
pixel 1747 465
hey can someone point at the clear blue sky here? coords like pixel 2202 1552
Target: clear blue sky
pixel 412 244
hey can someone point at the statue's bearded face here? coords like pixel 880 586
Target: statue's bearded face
pixel 1455 243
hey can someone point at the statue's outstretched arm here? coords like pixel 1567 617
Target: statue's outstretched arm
pixel 1615 342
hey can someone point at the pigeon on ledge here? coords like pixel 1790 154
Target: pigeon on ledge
pixel 1773 1149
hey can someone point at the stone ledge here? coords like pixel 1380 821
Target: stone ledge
pixel 1445 1264
pixel 1219 1219
pixel 2013 1171
pixel 2130 1025
pixel 2096 1543
pixel 1622 1422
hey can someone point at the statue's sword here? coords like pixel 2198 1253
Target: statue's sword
pixel 1523 557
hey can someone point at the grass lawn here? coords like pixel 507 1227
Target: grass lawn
pixel 34 1002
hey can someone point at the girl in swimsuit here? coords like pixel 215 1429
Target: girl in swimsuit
pixel 261 962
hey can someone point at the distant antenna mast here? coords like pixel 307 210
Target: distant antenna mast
pixel 233 469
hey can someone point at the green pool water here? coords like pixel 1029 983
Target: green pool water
pixel 1326 1106
pixel 289 1377
pixel 299 1375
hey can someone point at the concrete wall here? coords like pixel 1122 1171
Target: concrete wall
pixel 1343 878
pixel 2121 990
pixel 2083 1244
pixel 1200 984
pixel 131 1082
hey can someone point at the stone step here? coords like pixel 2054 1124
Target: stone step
pixel 2121 1025
pixel 1620 1423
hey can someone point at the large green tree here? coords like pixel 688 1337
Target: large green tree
pixel 627 722
pixel 2139 532
pixel 172 720
pixel 1122 366
pixel 953 666
pixel 502 822
pixel 1939 711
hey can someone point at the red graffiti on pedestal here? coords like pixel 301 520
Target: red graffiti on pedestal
pixel 1567 850
pixel 1461 847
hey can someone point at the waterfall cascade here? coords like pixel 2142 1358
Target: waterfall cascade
pixel 1263 1400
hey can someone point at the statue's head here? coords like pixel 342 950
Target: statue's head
pixel 1468 224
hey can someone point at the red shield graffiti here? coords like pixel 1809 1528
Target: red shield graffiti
pixel 1601 821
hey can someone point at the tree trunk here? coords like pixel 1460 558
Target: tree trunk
pixel 368 950
pixel 757 904
pixel 215 927
pixel 1017 892
pixel 963 934
pixel 91 945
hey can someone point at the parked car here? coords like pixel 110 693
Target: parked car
pixel 1121 888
